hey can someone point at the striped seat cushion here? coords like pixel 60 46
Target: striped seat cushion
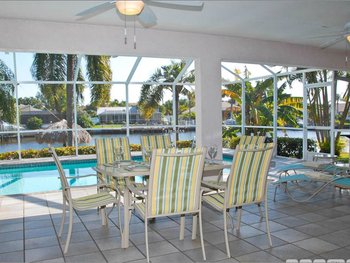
pixel 175 181
pixel 247 180
pixel 150 142
pixel 106 153
pixel 93 201
pixel 215 200
pixel 246 139
pixel 214 184
pixel 141 209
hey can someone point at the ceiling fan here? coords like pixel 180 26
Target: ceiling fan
pixel 338 37
pixel 140 9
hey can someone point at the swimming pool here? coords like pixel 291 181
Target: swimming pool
pixel 44 177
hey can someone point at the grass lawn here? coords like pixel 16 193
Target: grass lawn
pixel 109 126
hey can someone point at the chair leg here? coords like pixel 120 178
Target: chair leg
pixel 201 234
pixel 239 216
pixel 63 219
pixel 146 239
pixel 267 222
pixel 226 235
pixel 274 195
pixel 182 227
pixel 194 227
pixel 69 229
pixel 260 212
pixel 104 216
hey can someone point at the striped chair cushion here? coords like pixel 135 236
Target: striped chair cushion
pixel 150 142
pixel 215 200
pixel 175 181
pixel 105 149
pixel 246 139
pixel 106 153
pixel 246 183
pixel 141 208
pixel 93 201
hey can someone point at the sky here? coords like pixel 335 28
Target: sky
pixel 121 67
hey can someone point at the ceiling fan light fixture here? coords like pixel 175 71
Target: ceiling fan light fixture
pixel 129 7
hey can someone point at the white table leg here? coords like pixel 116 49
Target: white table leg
pixel 125 232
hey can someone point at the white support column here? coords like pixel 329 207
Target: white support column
pixel 127 82
pixel 243 121
pixel 174 115
pixel 17 106
pixel 332 133
pixel 76 74
pixel 127 109
pixel 275 105
pixel 208 102
pixel 305 118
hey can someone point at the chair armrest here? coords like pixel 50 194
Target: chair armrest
pixel 81 176
pixel 84 186
pixel 136 191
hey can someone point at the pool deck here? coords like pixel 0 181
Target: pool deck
pixel 318 229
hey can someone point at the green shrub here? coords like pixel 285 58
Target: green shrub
pixel 230 142
pixel 293 147
pixel 184 144
pixel 34 123
pixel 135 147
pixel 326 146
pixel 84 120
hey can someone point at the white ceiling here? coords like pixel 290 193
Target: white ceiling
pixel 297 21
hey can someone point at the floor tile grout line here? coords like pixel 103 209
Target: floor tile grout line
pixel 100 251
pixel 24 231
pixel 53 225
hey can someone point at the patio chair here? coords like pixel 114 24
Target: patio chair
pixel 244 140
pixel 247 139
pixel 246 183
pixel 98 200
pixel 174 186
pixel 150 142
pixel 106 153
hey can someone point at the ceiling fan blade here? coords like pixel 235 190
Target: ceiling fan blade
pixel 332 42
pixel 96 10
pixel 329 35
pixel 147 18
pixel 182 5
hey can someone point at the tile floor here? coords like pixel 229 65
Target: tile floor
pixel 312 230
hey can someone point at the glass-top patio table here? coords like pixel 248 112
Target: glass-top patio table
pixel 133 169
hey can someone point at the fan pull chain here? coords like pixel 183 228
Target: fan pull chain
pixel 125 33
pixel 134 32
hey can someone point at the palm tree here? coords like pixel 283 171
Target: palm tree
pixel 152 95
pixel 259 103
pixel 7 101
pixel 59 67
pixel 319 106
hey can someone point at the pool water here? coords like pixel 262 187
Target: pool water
pixel 23 180
pixel 43 178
